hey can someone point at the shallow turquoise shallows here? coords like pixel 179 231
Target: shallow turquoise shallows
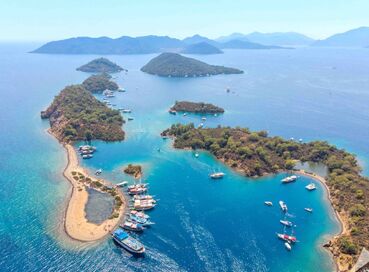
pixel 201 224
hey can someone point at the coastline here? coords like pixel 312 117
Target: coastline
pixel 76 225
pixel 341 260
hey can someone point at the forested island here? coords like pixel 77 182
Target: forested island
pixel 100 83
pixel 175 65
pixel 196 107
pixel 201 48
pixel 256 154
pixel 100 65
pixel 75 114
pixel 134 170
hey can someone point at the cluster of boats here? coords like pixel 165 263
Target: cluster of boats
pixel 289 240
pixel 136 220
pixel 86 151
pixel 109 94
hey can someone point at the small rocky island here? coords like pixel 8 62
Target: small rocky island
pixel 100 65
pixel 75 114
pixel 201 48
pixel 175 65
pixel 100 83
pixel 134 170
pixel 256 154
pixel 196 107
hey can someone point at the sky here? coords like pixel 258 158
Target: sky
pixel 45 20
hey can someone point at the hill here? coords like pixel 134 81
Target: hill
pixel 358 37
pixel 201 48
pixel 238 44
pixel 205 108
pixel 175 65
pixel 100 65
pixel 76 115
pixel 105 45
pixel 100 83
pixel 198 39
pixel 275 38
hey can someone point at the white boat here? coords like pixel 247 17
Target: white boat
pixel 217 175
pixel 200 125
pixel 288 246
pixel 287 238
pixel 283 206
pixel 203 119
pixel 215 115
pixel 126 111
pixel 310 187
pixel 98 172
pixel 268 203
pixel 185 114
pixel 142 205
pixel 289 179
pixel 122 184
pixel 121 90
pixel 196 155
pixel 310 210
pixel 286 223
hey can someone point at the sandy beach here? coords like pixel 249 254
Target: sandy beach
pixel 341 260
pixel 75 222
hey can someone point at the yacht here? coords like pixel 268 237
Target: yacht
pixel 217 175
pixel 174 112
pixel 98 172
pixel 268 203
pixel 128 225
pixel 287 238
pixel 283 206
pixel 139 214
pixel 288 246
pixel 286 223
pixel 289 179
pixel 127 242
pixel 122 184
pixel 310 210
pixel 310 187
pixel 126 111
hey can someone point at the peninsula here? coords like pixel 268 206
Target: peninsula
pixel 75 114
pixel 175 65
pixel 100 65
pixel 256 154
pixel 196 107
pixel 100 83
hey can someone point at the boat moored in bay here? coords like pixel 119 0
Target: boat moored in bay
pixel 283 206
pixel 127 242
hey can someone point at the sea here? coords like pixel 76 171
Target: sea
pixel 201 224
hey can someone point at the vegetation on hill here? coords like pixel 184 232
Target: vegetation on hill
pixel 175 65
pixel 100 83
pixel 75 114
pixel 134 170
pixel 100 65
pixel 201 48
pixel 196 107
pixel 256 154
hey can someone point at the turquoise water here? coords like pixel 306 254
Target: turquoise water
pixel 201 225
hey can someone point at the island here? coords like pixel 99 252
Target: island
pixel 201 48
pixel 100 83
pixel 100 65
pixel 256 154
pixel 133 170
pixel 196 107
pixel 175 65
pixel 76 115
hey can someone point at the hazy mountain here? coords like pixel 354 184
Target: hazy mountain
pixel 238 44
pixel 276 38
pixel 198 39
pixel 280 38
pixel 105 45
pixel 358 37
pixel 233 36
pixel 175 65
pixel 201 48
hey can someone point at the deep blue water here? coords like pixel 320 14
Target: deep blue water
pixel 201 225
